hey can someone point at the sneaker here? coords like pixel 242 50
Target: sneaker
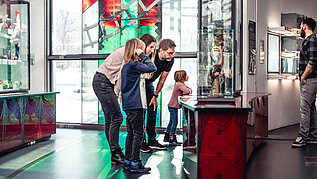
pixel 127 164
pixel 166 137
pixel 153 144
pixel 145 148
pixel 299 142
pixel 137 167
pixel 311 140
pixel 117 157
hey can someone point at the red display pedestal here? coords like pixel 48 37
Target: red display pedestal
pixel 215 142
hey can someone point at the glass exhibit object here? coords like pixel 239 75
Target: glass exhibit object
pixel 218 67
pixel 14 46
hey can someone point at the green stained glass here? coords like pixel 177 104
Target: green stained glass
pixel 133 9
pixel 148 30
pixel 128 33
pixel 100 62
pixel 112 42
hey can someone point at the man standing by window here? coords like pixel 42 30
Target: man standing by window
pixel 308 85
pixel 164 60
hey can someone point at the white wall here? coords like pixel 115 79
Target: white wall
pixel 284 101
pixel 37 44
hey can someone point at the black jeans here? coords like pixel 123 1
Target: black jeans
pixel 135 120
pixel 104 91
pixel 151 114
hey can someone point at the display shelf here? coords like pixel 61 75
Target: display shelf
pixel 14 46
pixel 283 53
pixel 284 31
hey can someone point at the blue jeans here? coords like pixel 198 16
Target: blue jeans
pixel 104 91
pixel 151 113
pixel 171 128
pixel 135 120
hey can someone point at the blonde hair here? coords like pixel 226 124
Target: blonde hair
pixel 129 51
pixel 180 76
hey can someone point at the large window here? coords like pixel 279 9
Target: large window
pixel 66 27
pixel 84 32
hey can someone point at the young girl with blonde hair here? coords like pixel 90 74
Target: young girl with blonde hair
pixel 136 63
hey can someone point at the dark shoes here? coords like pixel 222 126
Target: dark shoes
pixel 127 164
pixel 166 137
pixel 299 142
pixel 311 140
pixel 145 148
pixel 153 144
pixel 137 167
pixel 173 141
pixel 117 157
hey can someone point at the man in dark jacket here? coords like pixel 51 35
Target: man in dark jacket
pixel 164 60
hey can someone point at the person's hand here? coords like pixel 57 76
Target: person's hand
pixel 154 102
pixel 138 51
pixel 303 80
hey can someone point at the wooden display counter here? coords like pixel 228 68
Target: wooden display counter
pixel 25 118
pixel 216 134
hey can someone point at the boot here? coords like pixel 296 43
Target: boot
pixel 117 157
pixel 166 137
pixel 173 141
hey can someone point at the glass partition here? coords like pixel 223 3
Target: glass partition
pixel 14 46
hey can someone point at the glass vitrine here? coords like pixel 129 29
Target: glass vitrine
pixel 219 73
pixel 14 46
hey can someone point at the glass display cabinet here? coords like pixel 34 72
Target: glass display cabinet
pixel 14 46
pixel 219 73
pixel 283 52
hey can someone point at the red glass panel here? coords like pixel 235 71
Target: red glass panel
pixel 150 18
pixel 111 7
pixel 87 3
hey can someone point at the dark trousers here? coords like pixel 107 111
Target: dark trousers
pixel 104 91
pixel 171 128
pixel 134 121
pixel 151 113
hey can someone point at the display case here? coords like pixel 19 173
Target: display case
pixel 219 73
pixel 14 46
pixel 283 52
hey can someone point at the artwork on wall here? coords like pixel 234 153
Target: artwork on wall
pixel 252 48
pixel 262 52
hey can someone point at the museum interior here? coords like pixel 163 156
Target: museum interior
pixel 241 58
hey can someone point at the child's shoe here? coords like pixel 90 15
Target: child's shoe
pixel 173 141
pixel 127 164
pixel 137 167
pixel 166 137
pixel 117 157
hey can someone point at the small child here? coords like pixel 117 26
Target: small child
pixel 136 63
pixel 180 89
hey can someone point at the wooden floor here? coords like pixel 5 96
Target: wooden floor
pixel 75 153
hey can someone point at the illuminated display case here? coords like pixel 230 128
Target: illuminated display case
pixel 219 73
pixel 283 52
pixel 14 46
